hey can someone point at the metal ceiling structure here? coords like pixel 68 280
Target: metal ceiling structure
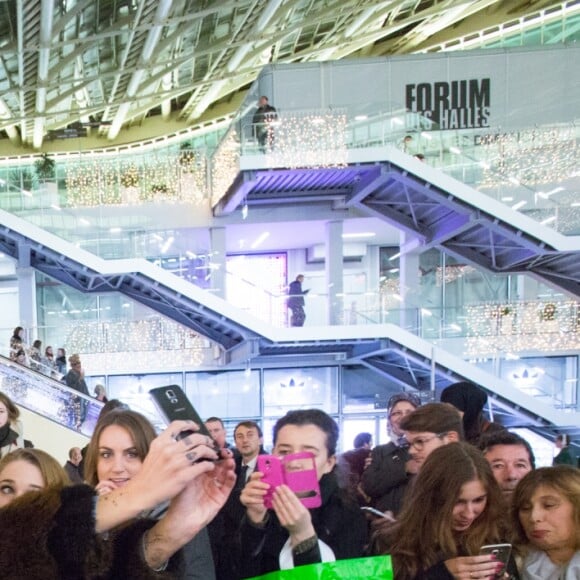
pixel 107 66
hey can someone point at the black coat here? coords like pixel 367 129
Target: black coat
pixel 338 522
pixel 385 480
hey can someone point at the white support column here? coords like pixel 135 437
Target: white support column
pixel 218 259
pixel 27 301
pixel 409 281
pixel 334 273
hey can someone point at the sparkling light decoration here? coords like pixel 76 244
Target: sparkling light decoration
pixel 128 345
pixel 531 156
pixel 163 178
pixel 522 326
pixel 451 273
pixel 225 165
pixel 309 139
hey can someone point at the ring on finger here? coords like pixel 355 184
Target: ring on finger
pixel 191 456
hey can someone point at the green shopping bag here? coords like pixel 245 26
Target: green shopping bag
pixel 376 567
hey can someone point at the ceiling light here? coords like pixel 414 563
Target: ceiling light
pixel 115 230
pixel 514 180
pixel 360 235
pixel 260 239
pixel 167 244
pixel 426 136
pixel 395 256
pixel 519 204
pixel 455 150
pixel 508 198
pixel 55 207
pixel 360 117
pixel 396 121
pixel 548 220
pixel 84 222
pixel 553 191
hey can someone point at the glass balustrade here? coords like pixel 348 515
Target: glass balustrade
pixel 517 341
pixel 116 203
pixel 48 397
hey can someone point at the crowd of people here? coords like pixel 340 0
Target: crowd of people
pixel 33 357
pixel 163 506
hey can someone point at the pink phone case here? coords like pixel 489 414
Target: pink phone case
pixel 297 471
pixel 271 467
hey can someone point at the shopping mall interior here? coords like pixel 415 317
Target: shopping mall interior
pixel 421 171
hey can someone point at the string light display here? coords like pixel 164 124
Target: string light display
pixel 309 139
pixel 129 344
pixel 533 156
pixel 520 327
pixel 163 178
pixel 225 164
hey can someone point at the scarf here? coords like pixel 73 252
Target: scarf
pixel 537 566
pixel 7 436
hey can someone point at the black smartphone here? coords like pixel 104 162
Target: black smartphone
pixel 174 405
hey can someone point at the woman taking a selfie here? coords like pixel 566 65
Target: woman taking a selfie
pixel 290 534
pixel 454 508
pixel 546 520
pixel 115 455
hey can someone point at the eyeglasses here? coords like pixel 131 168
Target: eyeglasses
pixel 420 442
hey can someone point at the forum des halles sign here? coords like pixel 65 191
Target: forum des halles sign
pixel 458 104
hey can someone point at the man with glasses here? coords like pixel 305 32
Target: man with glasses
pixel 425 429
pixel 430 427
pixel 385 478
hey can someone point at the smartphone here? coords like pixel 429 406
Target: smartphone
pixel 376 512
pixel 501 552
pixel 271 467
pixel 297 471
pixel 173 405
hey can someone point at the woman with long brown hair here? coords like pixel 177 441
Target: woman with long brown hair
pixel 119 445
pixel 453 510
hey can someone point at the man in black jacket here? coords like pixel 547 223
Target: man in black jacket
pixel 296 301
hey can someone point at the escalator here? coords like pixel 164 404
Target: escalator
pixel 48 397
pixel 411 362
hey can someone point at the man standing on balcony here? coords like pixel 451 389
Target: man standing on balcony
pixel 263 120
pixel 296 301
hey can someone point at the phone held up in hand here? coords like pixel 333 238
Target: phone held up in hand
pixel 501 552
pixel 297 471
pixel 174 405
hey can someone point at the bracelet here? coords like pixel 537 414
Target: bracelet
pixel 305 546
